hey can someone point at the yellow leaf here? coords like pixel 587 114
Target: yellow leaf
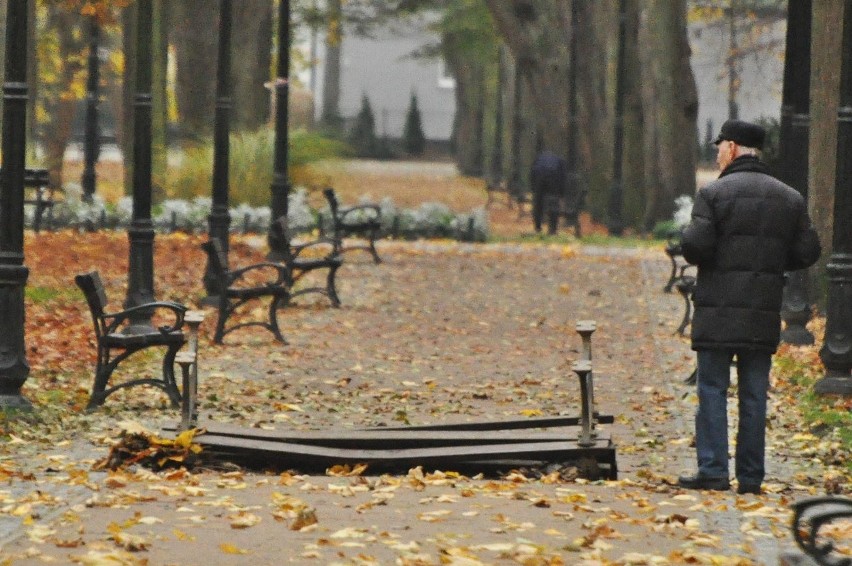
pixel 532 413
pixel 243 520
pixel 229 548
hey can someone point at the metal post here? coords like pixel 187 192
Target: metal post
pixel 795 108
pixel 219 219
pixel 836 352
pixel 140 287
pixel 280 177
pixel 574 182
pixel 91 147
pixel 14 368
pixel 616 192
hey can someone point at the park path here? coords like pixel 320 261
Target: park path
pixel 439 332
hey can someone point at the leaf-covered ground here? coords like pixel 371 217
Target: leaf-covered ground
pixel 439 332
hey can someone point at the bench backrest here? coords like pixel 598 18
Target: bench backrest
pixel 93 289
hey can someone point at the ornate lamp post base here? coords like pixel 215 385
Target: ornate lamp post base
pixel 836 353
pixel 14 368
pixel 839 385
pixel 796 311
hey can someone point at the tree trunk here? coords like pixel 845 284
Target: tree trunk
pixel 732 61
pixel 827 26
pixel 670 107
pixel 597 53
pixel 633 160
pixel 195 35
pixel 61 109
pixel 159 99
pixel 330 116
pixel 469 118
pixel 252 47
pixel 536 34
pixel 125 129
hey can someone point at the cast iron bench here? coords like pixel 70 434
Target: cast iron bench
pixel 364 220
pixel 42 198
pixel 810 518
pixel 236 287
pixel 301 259
pixel 674 250
pixel 114 345
pixel 685 285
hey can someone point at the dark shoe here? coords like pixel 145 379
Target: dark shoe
pixel 744 488
pixel 701 482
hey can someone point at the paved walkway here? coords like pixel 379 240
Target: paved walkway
pixel 437 333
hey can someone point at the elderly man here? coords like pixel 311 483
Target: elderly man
pixel 747 229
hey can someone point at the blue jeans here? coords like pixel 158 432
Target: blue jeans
pixel 711 420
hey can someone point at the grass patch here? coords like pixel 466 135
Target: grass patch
pixel 826 416
pixel 591 240
pixel 40 295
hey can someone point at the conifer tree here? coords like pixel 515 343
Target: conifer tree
pixel 414 140
pixel 363 135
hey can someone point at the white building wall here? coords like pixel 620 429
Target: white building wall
pixel 761 79
pixel 383 69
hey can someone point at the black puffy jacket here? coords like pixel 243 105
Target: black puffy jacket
pixel 747 229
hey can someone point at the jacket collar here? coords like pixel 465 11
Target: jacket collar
pixel 745 163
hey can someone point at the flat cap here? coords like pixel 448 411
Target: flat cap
pixel 742 133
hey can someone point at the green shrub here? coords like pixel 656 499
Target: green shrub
pixel 251 164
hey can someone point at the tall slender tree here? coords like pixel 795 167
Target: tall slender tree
pixel 195 50
pixel 252 41
pixel 330 116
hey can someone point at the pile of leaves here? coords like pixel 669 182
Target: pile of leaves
pixel 148 450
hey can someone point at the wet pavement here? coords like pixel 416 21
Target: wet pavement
pixel 440 332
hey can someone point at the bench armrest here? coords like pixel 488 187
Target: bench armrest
pixel 331 243
pixel 281 271
pixel 118 318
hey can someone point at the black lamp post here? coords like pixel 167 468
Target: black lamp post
pixel 280 177
pixel 793 170
pixel 836 353
pixel 140 285
pixel 219 219
pixel 616 192
pixel 14 368
pixel 91 147
pixel 574 187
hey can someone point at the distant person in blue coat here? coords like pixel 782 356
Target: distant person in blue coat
pixel 549 180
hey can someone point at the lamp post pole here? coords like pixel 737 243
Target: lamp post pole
pixel 795 108
pixel 90 143
pixel 14 368
pixel 280 177
pixel 140 285
pixel 616 193
pixel 836 353
pixel 219 220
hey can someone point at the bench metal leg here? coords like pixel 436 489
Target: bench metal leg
pixel 673 276
pixel 372 247
pixel 687 315
pixel 331 286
